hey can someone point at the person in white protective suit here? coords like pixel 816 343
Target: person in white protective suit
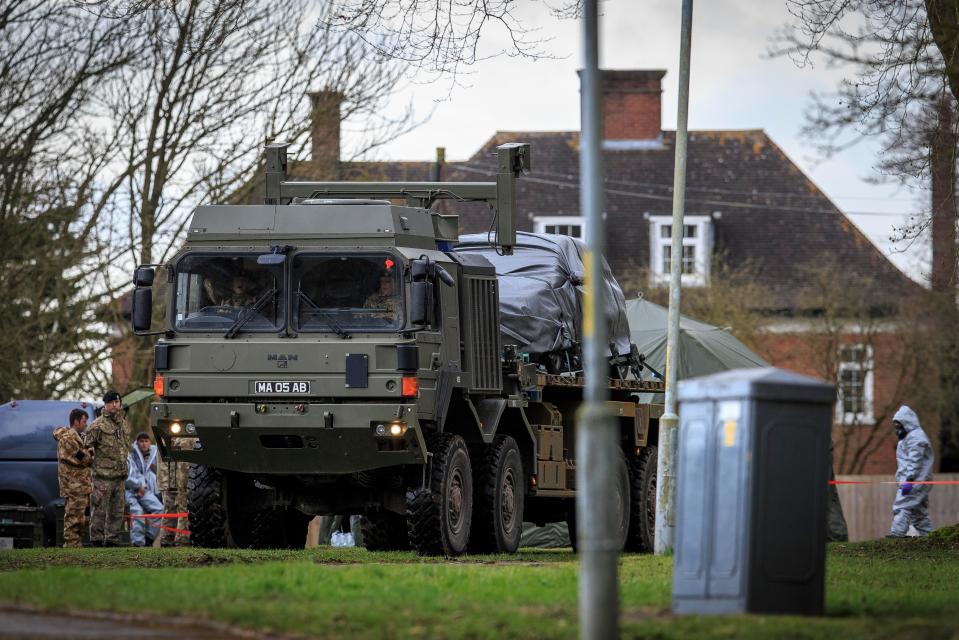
pixel 914 459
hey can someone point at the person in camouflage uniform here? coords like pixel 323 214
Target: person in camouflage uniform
pixel 107 436
pixel 382 299
pixel 172 478
pixel 73 467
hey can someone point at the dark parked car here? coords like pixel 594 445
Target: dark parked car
pixel 28 452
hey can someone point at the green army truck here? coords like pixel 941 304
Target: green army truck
pixel 331 352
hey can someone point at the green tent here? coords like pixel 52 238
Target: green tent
pixel 704 349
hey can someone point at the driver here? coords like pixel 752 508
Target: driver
pixel 242 292
pixel 382 299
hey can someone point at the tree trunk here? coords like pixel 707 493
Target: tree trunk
pixel 943 277
pixel 944 24
pixel 943 168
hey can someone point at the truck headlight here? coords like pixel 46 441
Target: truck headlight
pixel 180 427
pixel 392 429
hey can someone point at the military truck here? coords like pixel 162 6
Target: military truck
pixel 331 352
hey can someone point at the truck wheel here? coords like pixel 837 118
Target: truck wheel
pixel 642 477
pixel 228 510
pixel 205 505
pixel 621 505
pixel 439 517
pixel 384 531
pixel 498 499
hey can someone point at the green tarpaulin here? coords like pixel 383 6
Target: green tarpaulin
pixel 704 349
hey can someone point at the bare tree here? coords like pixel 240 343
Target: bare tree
pixel 118 118
pixel 944 25
pixel 895 90
pixel 51 58
pixel 898 91
pixel 211 82
pixel 862 334
pixel 444 37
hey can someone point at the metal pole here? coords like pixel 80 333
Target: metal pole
pixel 595 438
pixel 669 423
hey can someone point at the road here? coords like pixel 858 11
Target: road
pixel 33 625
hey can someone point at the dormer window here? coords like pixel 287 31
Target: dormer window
pixel 572 226
pixel 697 249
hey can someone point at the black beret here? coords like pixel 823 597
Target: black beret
pixel 110 396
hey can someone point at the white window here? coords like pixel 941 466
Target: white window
pixel 572 226
pixel 697 249
pixel 854 382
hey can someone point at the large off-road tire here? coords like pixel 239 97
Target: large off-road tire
pixel 228 510
pixel 205 504
pixel 621 505
pixel 498 498
pixel 439 517
pixel 642 479
pixel 384 531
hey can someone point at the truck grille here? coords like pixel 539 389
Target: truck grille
pixel 483 340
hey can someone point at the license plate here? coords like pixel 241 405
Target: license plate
pixel 281 387
pixel 6 543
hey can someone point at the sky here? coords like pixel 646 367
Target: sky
pixel 734 85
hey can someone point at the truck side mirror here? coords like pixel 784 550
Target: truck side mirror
pixel 142 311
pixel 143 276
pixel 420 296
pixel 419 269
pixel 444 276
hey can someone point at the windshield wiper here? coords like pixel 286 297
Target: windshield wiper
pixel 325 315
pixel 248 313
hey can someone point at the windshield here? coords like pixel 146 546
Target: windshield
pixel 340 293
pixel 213 292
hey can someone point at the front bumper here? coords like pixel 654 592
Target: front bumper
pixel 317 439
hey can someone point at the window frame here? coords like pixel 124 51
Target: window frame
pixel 282 294
pixel 401 293
pixel 540 223
pixel 867 367
pixel 703 243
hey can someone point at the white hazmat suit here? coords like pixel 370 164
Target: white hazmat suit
pixel 914 459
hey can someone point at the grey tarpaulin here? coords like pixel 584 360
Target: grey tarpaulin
pixel 541 296
pixel 553 535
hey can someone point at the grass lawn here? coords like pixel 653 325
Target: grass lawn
pixel 887 589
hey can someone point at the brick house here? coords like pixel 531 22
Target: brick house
pixel 747 204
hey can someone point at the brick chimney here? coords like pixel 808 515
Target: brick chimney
pixel 325 132
pixel 632 106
